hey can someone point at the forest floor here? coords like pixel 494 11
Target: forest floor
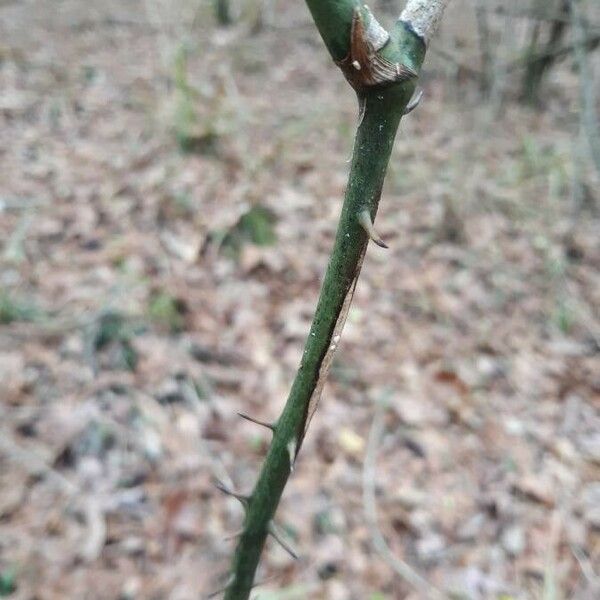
pixel 169 193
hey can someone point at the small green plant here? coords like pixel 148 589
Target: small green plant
pixel 564 316
pixel 539 160
pixel 167 311
pixel 8 581
pixel 191 136
pixel 115 330
pixel 16 309
pixel 96 440
pixel 183 203
pixel 255 226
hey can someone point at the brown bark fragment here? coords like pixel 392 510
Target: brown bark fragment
pixel 363 67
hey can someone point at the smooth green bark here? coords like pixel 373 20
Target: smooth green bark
pixel 383 107
pixel 333 19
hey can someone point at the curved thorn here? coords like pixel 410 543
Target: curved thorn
pixel 274 531
pixel 364 218
pixel 413 103
pixel 234 535
pixel 244 500
pixel 253 420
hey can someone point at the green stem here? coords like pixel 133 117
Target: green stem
pixel 383 107
pixel 333 20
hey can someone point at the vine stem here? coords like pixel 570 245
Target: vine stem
pixel 382 68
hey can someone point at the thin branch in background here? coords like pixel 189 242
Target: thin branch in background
pixel 535 15
pixel 500 67
pixel 590 42
pixel 451 58
pixel 588 100
pixel 539 60
pixel 223 12
pixel 402 569
pixel 578 195
pixel 485 49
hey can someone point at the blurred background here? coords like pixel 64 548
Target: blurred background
pixel 170 179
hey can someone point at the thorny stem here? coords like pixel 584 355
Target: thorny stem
pixel 383 74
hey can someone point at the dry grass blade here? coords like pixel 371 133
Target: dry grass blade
pixel 401 568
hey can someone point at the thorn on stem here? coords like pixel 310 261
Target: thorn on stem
pixel 364 218
pixel 291 448
pixel 253 420
pixel 413 103
pixel 244 500
pixel 234 535
pixel 273 531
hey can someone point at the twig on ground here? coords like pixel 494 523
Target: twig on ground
pixel 586 566
pixel 402 569
pixel 33 463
